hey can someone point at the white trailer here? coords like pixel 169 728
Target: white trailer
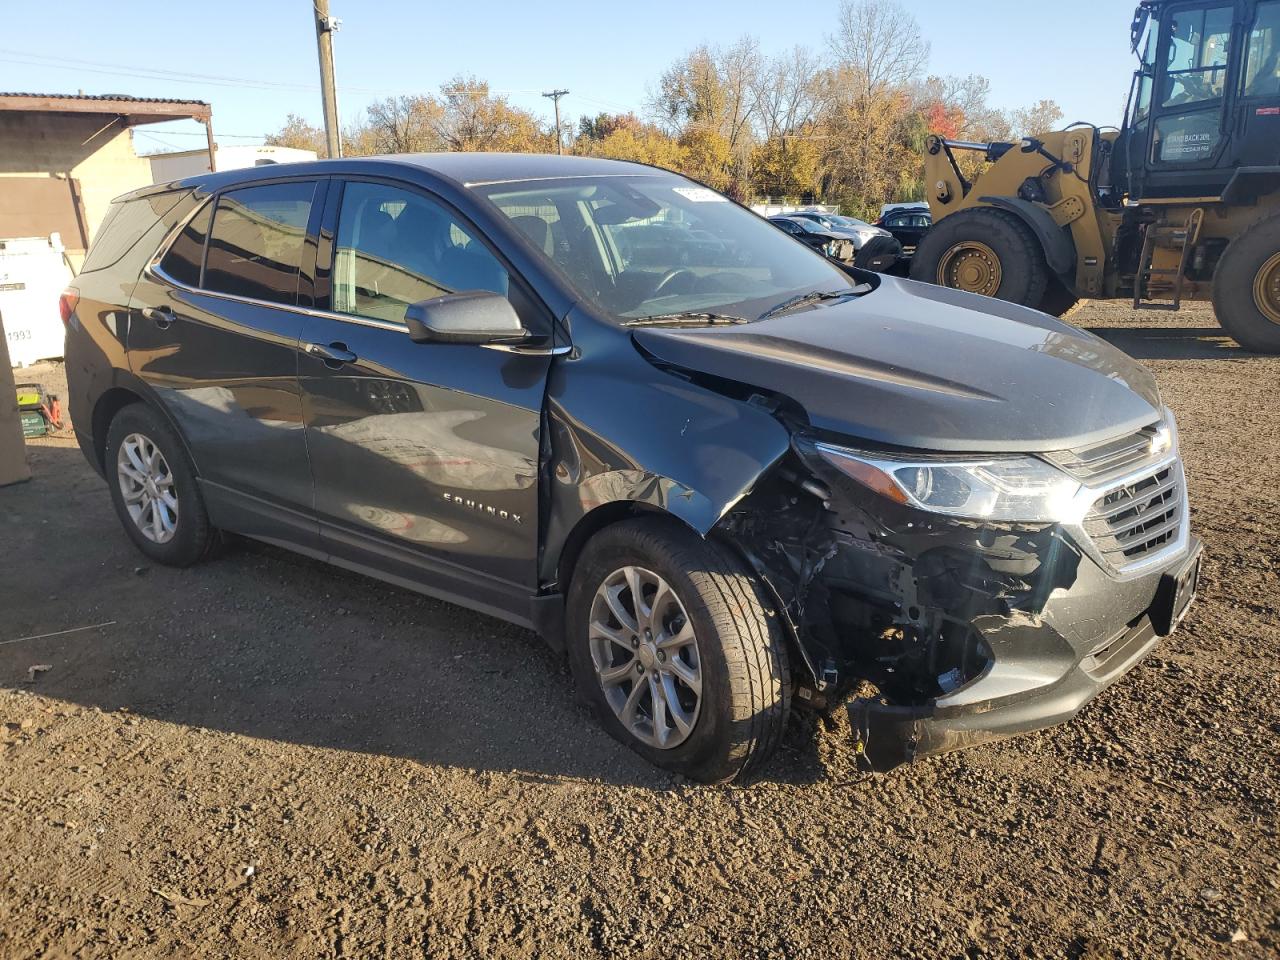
pixel 33 273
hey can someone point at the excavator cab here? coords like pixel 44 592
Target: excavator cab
pixel 1204 107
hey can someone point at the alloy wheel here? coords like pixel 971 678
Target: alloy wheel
pixel 146 483
pixel 646 656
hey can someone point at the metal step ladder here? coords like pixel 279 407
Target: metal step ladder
pixel 1155 237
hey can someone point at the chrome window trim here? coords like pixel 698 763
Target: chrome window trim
pixel 154 272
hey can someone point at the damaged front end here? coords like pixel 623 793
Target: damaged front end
pixel 939 631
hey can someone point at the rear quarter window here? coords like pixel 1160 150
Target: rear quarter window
pixel 132 229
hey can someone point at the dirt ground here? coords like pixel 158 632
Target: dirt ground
pixel 265 757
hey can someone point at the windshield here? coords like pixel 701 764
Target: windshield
pixel 655 246
pixel 805 224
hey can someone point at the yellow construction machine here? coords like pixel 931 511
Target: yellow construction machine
pixel 1181 203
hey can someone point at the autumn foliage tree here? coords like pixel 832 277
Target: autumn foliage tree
pixel 847 126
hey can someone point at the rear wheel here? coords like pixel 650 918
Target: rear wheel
pixel 984 251
pixel 1246 287
pixel 153 488
pixel 673 645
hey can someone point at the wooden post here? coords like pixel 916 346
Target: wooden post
pixel 213 147
pixel 13 447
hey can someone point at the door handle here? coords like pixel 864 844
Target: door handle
pixel 162 316
pixel 333 355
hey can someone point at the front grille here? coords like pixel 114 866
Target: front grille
pixel 1134 521
pixel 1100 462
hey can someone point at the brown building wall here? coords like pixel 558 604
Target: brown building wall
pixel 93 150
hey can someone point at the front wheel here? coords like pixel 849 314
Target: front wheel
pixel 1246 287
pixel 673 644
pixel 987 251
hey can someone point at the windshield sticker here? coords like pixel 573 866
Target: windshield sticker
pixel 700 194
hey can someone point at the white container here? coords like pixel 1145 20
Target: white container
pixel 33 274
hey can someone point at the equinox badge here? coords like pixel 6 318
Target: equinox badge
pixel 483 508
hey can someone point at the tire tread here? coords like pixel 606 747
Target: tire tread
pixel 753 646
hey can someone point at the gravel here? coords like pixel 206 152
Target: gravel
pixel 266 756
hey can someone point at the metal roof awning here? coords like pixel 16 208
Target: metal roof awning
pixel 134 110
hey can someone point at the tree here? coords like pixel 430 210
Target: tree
pixel 602 125
pixel 878 46
pixel 707 156
pixel 785 166
pixel 639 143
pixel 790 91
pixel 1042 117
pixel 850 130
pixel 465 116
pixel 402 124
pixel 301 135
pixel 707 101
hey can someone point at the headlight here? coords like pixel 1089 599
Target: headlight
pixel 1013 489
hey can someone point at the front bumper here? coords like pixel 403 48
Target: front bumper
pixel 1027 687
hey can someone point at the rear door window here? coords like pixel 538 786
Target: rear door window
pixel 186 255
pixel 257 240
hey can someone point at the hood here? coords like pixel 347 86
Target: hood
pixel 929 368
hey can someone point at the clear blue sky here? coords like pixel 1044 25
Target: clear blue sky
pixel 258 59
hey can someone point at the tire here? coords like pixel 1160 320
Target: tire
pixel 1058 301
pixel 879 253
pixel 1246 287
pixel 188 537
pixel 1020 275
pixel 739 652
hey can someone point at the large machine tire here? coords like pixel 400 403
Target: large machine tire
pixel 984 251
pixel 880 254
pixel 1058 301
pixel 1246 287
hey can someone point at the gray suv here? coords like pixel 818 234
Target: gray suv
pixel 722 473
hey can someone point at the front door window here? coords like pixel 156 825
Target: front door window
pixel 396 247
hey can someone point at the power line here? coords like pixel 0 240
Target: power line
pixel 150 73
pixel 201 134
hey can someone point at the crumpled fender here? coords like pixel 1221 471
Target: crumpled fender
pixel 621 431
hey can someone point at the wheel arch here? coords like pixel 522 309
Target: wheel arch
pixel 1059 253
pixel 127 389
pixel 111 402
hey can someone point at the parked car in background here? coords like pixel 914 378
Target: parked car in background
pixel 861 231
pixel 908 225
pixel 723 483
pixel 826 240
pixel 870 249
pixel 647 244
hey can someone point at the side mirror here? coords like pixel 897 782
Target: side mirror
pixel 473 316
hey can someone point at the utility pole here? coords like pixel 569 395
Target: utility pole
pixel 555 96
pixel 325 27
